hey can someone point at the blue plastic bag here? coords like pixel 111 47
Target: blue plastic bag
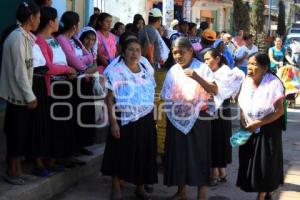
pixel 240 137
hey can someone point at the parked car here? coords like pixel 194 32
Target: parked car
pixel 289 38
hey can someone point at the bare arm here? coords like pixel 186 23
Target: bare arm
pixel 209 87
pixel 271 56
pixel 279 111
pixel 115 129
pixel 288 58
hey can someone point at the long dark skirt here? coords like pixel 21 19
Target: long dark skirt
pixel 261 160
pixel 133 157
pixel 39 139
pixel 187 157
pixel 221 150
pixel 61 124
pixel 84 116
pixel 16 128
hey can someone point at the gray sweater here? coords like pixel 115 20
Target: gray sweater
pixel 16 68
pixel 153 40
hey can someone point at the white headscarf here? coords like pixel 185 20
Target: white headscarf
pixel 88 28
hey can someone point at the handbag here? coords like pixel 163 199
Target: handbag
pixel 240 137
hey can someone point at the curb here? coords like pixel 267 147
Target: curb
pixel 45 188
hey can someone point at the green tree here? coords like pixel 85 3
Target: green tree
pixel 241 17
pixel 257 16
pixel 281 28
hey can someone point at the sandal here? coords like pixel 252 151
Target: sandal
pixel 26 177
pixel 213 182
pixel 178 197
pixel 56 168
pixel 223 179
pixel 142 195
pixel 268 196
pixel 42 172
pixel 149 188
pixel 14 180
pixel 115 195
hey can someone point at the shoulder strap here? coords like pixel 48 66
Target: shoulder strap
pixel 104 46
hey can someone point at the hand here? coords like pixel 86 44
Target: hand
pixel 32 105
pixel 253 126
pixel 115 130
pixel 161 62
pixel 91 70
pixel 72 74
pixel 191 73
pixel 243 123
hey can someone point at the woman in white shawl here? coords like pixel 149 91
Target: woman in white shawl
pixel 228 82
pixel 130 152
pixel 261 102
pixel 186 92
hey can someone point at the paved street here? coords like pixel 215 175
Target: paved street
pixel 98 187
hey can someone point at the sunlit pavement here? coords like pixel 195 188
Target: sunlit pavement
pixel 98 187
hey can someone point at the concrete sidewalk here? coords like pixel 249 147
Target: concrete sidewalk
pixel 98 187
pixel 85 183
pixel 45 188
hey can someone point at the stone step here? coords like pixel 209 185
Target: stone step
pixel 45 188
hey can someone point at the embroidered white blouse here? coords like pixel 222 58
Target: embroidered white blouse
pixel 133 92
pixel 184 97
pixel 256 103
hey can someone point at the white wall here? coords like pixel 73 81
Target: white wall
pixel 60 6
pixel 125 9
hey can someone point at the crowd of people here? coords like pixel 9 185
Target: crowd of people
pixel 50 68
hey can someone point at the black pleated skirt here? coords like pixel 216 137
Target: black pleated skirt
pixel 62 125
pixel 84 115
pixel 16 128
pixel 39 139
pixel 221 130
pixel 187 157
pixel 133 157
pixel 261 160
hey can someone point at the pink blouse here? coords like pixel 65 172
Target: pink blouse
pixel 79 63
pixel 53 69
pixel 107 46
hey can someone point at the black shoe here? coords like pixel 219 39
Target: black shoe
pixel 86 152
pixel 223 179
pixel 142 195
pixel 268 196
pixel 149 188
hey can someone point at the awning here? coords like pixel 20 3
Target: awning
pixel 206 13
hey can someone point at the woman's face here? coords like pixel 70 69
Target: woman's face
pixel 249 42
pixel 89 41
pixel 106 24
pixel 182 55
pixel 35 21
pixel 254 71
pixel 140 25
pixel 133 53
pixel 193 31
pixel 278 42
pixel 212 62
pixel 54 25
pixel 48 3
pixel 120 30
